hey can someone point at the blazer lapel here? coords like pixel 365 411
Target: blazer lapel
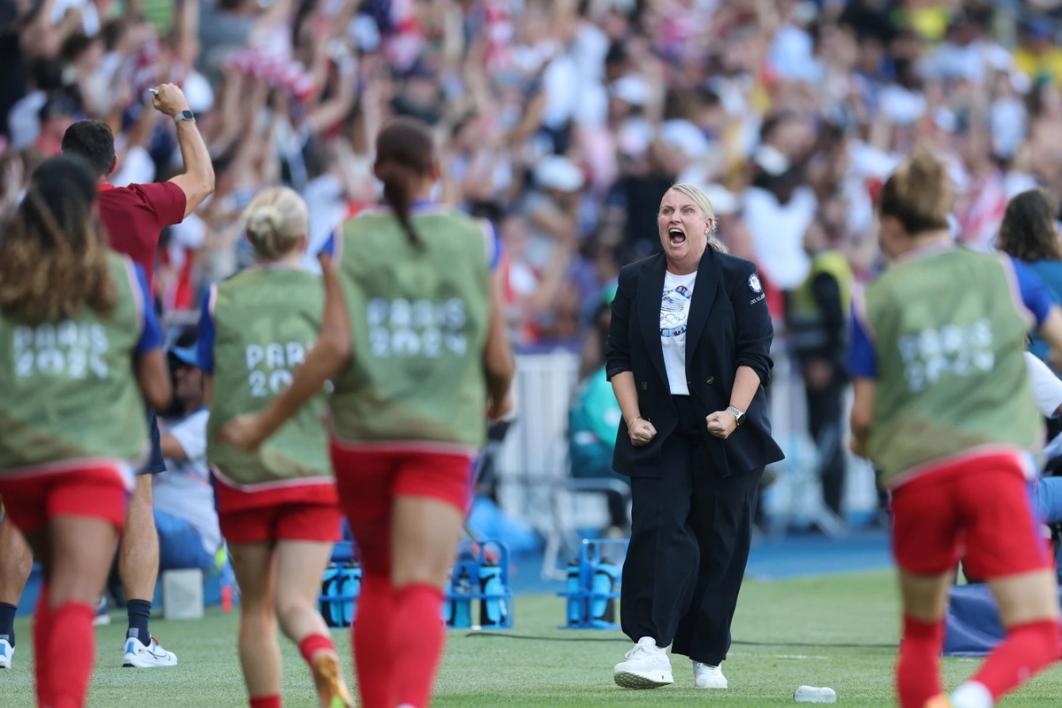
pixel 704 293
pixel 650 290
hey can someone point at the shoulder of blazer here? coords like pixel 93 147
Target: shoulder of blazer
pixel 736 271
pixel 632 270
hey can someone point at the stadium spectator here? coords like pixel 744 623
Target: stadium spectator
pixel 665 92
pixel 278 506
pixel 414 337
pixel 86 343
pixel 183 497
pixel 688 357
pixel 593 418
pixel 133 216
pixel 1030 235
pixel 817 322
pixel 1047 389
pixel 944 407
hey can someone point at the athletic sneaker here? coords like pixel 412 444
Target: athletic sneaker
pixel 646 666
pixel 103 613
pixel 707 676
pixel 147 657
pixel 328 678
pixel 7 652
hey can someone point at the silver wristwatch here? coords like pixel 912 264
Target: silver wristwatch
pixel 739 415
pixel 183 115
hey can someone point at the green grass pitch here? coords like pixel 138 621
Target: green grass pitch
pixel 837 631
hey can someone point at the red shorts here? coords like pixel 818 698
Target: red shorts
pixel 978 509
pixel 283 522
pixel 368 480
pixel 95 489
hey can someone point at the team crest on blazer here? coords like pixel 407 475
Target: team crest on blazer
pixel 754 284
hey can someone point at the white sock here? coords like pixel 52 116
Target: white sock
pixel 972 695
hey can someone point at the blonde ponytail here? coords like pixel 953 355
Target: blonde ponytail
pixel 275 220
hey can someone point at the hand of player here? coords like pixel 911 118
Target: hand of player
pixel 498 410
pixel 244 432
pixel 169 99
pixel 858 446
pixel 721 424
pixel 641 432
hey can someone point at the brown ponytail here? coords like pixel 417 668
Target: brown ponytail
pixel 397 192
pixel 405 152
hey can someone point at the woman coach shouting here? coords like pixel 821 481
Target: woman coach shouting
pixel 687 355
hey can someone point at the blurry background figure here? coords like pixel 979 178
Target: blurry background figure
pixel 1029 234
pixel 562 123
pixel 184 499
pixel 593 420
pixel 817 319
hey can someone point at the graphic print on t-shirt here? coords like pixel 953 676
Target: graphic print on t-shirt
pixel 675 310
pixel 674 316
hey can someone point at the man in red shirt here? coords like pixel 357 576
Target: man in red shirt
pixel 133 217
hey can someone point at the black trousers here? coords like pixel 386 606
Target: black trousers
pixel 827 427
pixel 690 536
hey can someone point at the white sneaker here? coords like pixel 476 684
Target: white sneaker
pixel 103 613
pixel 706 676
pixel 147 657
pixel 647 666
pixel 7 652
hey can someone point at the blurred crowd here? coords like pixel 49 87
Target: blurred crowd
pixel 562 121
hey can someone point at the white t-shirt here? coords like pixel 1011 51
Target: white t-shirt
pixel 184 490
pixel 674 314
pixel 1046 387
pixel 778 234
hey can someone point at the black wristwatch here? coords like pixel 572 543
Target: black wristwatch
pixel 739 415
pixel 183 115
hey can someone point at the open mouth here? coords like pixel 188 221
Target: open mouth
pixel 676 236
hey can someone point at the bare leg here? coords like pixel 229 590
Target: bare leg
pixel 925 597
pixel 255 565
pixel 300 565
pixel 1029 597
pixel 138 564
pixel 16 561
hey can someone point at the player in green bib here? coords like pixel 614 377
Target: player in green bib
pixel 944 408
pixel 277 506
pixel 414 337
pixel 80 354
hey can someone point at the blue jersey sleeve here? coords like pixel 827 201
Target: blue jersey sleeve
pixel 1034 293
pixel 151 334
pixel 493 245
pixel 862 360
pixel 328 248
pixel 205 344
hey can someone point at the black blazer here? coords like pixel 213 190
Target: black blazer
pixel 729 326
